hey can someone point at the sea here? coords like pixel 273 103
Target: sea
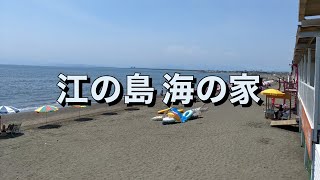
pixel 28 87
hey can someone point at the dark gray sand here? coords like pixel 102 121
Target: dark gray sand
pixel 113 143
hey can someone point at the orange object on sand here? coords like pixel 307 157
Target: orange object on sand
pixel 165 111
pixel 174 115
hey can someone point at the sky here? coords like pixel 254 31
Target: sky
pixel 184 34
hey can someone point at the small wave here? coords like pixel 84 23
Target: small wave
pixel 33 108
pixel 28 109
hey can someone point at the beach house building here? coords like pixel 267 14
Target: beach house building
pixel 306 68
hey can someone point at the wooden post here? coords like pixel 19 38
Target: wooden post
pixel 305 68
pixel 290 106
pixel 309 67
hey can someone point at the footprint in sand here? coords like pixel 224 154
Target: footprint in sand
pixel 264 140
pixel 255 124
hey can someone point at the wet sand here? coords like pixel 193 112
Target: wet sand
pixel 226 143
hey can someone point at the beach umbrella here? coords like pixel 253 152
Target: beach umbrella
pixel 7 110
pixel 46 109
pixel 79 107
pixel 272 92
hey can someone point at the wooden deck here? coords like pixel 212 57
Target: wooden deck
pixel 283 123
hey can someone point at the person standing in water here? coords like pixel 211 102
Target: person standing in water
pixel 161 93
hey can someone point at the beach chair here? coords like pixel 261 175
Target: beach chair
pixel 14 129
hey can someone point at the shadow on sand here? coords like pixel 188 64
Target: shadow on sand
pixel 132 109
pixel 83 119
pixel 50 126
pixel 171 123
pixel 10 136
pixel 289 128
pixel 110 114
pixel 192 119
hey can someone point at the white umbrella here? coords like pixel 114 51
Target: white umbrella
pixel 8 110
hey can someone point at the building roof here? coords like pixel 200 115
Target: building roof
pixel 308 8
pixel 308 29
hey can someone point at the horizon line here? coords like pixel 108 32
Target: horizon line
pixel 133 67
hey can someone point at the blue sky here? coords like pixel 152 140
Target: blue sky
pixel 190 34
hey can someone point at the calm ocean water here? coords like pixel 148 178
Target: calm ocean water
pixel 28 87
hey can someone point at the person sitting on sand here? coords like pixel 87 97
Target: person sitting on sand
pixel 10 127
pixel 279 113
pixel 0 123
pixel 3 129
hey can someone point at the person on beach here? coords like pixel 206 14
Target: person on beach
pixel 279 113
pixel 1 127
pixel 3 130
pixel 10 127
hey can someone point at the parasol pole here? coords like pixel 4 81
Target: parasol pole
pixel 290 107
pixel 266 102
pixel 266 107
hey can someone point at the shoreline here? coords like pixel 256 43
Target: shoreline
pixel 31 119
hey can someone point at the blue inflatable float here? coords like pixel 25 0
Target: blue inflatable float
pixel 185 116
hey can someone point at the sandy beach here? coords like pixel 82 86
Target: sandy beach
pixel 77 52
pixel 226 143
